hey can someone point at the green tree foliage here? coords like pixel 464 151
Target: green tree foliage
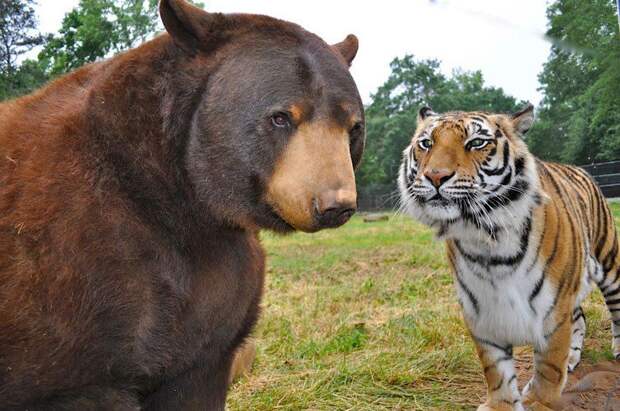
pixel 96 29
pixel 93 30
pixel 391 117
pixel 579 116
pixel 18 35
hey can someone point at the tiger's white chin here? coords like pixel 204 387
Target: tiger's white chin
pixel 441 212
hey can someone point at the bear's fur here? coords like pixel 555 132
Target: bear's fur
pixel 131 195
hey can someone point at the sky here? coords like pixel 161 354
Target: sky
pixel 502 38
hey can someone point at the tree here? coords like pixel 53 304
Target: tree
pixel 391 117
pixel 18 35
pixel 98 28
pixel 579 116
pixel 93 30
pixel 28 76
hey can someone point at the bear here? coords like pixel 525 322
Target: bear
pixel 132 193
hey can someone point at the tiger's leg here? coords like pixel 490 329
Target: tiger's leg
pixel 551 365
pixel 502 390
pixel 610 287
pixel 578 332
pixel 607 278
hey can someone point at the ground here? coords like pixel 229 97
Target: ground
pixel 364 318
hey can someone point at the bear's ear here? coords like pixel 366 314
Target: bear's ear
pixel 425 112
pixel 523 119
pixel 347 48
pixel 188 25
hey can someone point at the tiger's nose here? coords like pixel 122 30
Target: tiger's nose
pixel 438 176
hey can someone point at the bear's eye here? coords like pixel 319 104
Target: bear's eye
pixel 280 120
pixel 476 143
pixel 425 144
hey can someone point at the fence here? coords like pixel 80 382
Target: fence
pixel 607 175
pixel 377 197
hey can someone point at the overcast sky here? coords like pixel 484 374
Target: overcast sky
pixel 503 38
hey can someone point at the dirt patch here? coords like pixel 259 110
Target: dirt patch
pixel 593 387
pixel 590 388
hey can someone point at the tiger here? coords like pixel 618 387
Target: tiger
pixel 526 240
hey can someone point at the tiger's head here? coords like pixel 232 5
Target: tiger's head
pixel 461 167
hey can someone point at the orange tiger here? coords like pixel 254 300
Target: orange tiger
pixel 525 239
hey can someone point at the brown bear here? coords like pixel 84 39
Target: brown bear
pixel 131 195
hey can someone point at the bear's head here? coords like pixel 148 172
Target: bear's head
pixel 279 124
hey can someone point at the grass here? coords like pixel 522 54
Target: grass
pixel 365 318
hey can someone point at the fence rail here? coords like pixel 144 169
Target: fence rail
pixel 607 176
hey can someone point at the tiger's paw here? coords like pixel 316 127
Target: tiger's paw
pixel 502 406
pixel 573 362
pixel 533 402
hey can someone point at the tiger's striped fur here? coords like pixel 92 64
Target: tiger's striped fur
pixel 525 239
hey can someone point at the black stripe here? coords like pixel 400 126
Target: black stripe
pixel 536 291
pixel 555 242
pixel 502 359
pixel 602 227
pixel 615 277
pixel 499 171
pixel 566 200
pixel 616 301
pixel 611 292
pixel 507 349
pixel 557 326
pixel 497 260
pixel 611 256
pixel 604 288
pixel 552 367
pixel 470 294
pixel 519 165
pixel 513 193
pixel 537 252
pixel 499 385
pixel 580 315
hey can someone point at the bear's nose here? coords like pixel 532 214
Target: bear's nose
pixel 335 207
pixel 438 176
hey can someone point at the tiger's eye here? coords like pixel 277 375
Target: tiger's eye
pixel 426 144
pixel 476 143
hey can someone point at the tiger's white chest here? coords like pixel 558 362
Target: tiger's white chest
pixel 504 303
pixel 510 304
pixel 505 313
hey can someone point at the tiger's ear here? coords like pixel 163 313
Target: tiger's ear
pixel 189 26
pixel 424 113
pixel 347 48
pixel 523 119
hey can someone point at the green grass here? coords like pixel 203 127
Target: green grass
pixel 364 318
